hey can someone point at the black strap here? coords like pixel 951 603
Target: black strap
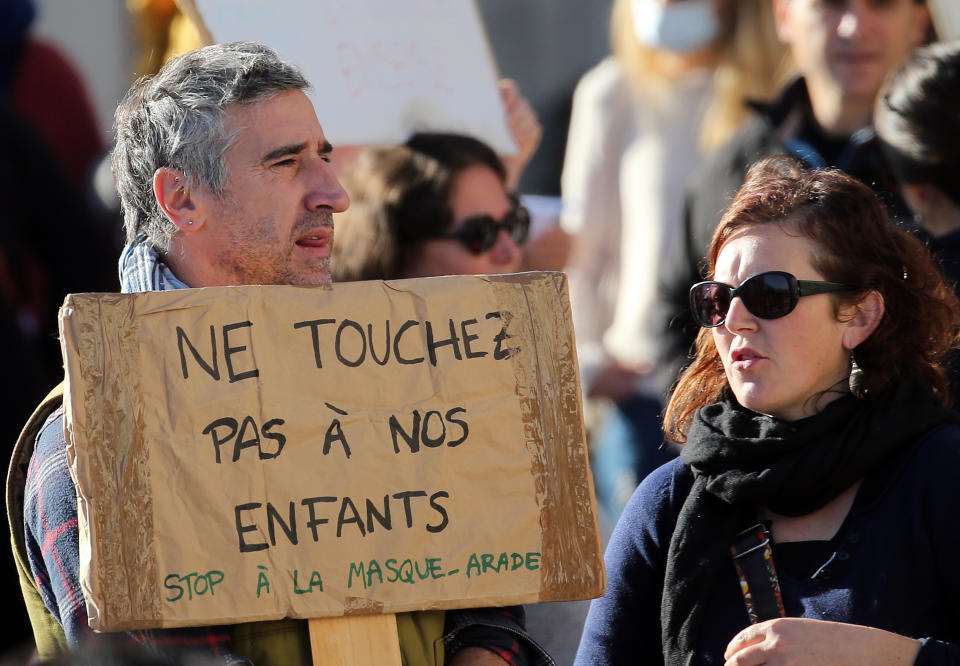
pixel 753 558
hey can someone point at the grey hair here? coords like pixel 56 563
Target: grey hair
pixel 175 119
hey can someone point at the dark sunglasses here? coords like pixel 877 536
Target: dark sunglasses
pixel 478 234
pixel 767 295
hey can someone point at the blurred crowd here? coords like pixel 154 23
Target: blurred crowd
pixel 662 134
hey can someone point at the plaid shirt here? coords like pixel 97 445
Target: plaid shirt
pixel 52 539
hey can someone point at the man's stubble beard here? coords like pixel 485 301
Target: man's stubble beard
pixel 256 258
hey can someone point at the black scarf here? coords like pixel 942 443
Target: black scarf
pixel 742 460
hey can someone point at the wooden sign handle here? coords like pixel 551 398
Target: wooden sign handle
pixel 358 640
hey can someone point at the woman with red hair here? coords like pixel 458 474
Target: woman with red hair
pixel 811 515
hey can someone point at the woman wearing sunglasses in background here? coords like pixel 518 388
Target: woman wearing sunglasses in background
pixel 816 445
pixel 437 205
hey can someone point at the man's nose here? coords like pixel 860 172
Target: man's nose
pixel 325 190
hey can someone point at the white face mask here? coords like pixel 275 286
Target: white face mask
pixel 678 26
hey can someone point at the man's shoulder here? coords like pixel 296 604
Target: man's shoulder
pixel 48 474
pixel 51 440
pixel 41 441
pixel 46 478
pixel 755 139
pixel 45 423
pixel 714 184
pixel 722 172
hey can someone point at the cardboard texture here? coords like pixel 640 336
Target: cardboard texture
pixel 248 453
pixel 428 61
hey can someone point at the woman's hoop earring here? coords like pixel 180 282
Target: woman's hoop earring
pixel 856 378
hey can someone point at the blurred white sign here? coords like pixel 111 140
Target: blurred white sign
pixel 380 69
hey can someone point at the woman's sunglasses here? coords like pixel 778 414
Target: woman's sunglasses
pixel 478 234
pixel 767 295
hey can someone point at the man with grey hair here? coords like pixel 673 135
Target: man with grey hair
pixel 224 175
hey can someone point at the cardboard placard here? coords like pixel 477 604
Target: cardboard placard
pixel 381 70
pixel 249 453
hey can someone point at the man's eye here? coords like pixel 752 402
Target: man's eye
pixel 326 158
pixel 287 162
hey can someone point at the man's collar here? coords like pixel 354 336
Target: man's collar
pixel 142 269
pixel 793 104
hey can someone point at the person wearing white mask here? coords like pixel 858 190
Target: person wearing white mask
pixel 680 27
pixel 642 119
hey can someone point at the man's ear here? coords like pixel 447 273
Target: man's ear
pixel 173 194
pixel 864 318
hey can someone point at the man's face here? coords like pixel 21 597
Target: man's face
pixel 273 223
pixel 849 46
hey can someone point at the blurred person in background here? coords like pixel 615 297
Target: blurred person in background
pixel 642 120
pixel 917 118
pixel 49 146
pixel 52 240
pixel 44 87
pixel 842 50
pixel 549 248
pixel 436 205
